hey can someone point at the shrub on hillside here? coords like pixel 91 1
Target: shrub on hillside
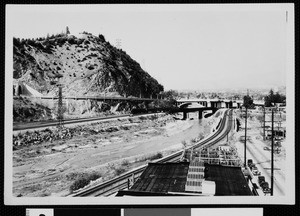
pixel 71 40
pixel 90 67
pixel 101 37
pixel 156 156
pixel 119 170
pixel 82 181
pixel 79 41
pixel 125 163
pixel 61 41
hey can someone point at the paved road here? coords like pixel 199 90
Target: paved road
pixel 262 159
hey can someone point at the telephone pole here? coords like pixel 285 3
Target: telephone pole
pixel 272 154
pixel 60 111
pixel 245 162
pixel 264 123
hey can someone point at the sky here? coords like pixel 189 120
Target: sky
pixel 184 47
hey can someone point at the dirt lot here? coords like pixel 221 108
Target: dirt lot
pixel 50 168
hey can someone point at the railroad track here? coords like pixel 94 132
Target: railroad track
pixel 121 182
pixel 40 125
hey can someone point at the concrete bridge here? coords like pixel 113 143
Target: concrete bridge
pixel 201 105
pixel 213 103
pixel 200 111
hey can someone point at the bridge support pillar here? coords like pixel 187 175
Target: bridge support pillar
pixel 214 110
pixel 184 115
pixel 200 115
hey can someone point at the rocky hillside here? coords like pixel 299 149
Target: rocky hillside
pixel 86 65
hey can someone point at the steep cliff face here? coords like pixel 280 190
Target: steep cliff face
pixel 85 64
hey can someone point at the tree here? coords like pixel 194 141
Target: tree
pixel 274 98
pixel 248 102
pixel 171 94
pixel 101 37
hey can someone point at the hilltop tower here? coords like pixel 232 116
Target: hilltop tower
pixel 67 30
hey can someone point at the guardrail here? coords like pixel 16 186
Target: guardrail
pixel 111 186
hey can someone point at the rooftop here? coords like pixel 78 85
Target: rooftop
pixel 162 178
pixel 165 179
pixel 230 181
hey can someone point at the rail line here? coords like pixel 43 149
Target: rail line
pixel 114 185
pixel 35 125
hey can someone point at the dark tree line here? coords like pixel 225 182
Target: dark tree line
pixel 274 98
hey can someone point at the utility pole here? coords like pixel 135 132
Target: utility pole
pixel 60 107
pixel 264 123
pixel 245 163
pixel 227 136
pixel 229 119
pixel 272 154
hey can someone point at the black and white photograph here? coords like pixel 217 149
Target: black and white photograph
pixel 149 104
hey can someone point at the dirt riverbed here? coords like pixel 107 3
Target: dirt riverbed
pixel 50 168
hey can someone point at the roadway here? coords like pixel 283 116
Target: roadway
pixel 261 159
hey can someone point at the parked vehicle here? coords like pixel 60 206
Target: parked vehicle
pixel 250 163
pixel 278 138
pixel 269 136
pixel 265 187
pixel 255 171
pixel 276 150
pixel 261 179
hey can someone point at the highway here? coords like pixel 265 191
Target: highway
pixel 120 182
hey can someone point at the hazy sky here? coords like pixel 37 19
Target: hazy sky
pixel 182 46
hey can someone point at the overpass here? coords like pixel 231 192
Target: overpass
pixel 213 103
pixel 200 111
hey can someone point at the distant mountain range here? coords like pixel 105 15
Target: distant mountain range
pixel 85 64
